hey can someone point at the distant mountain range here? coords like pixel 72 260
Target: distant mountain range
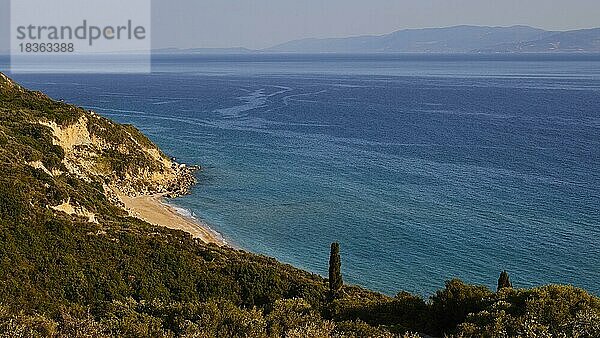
pixel 458 39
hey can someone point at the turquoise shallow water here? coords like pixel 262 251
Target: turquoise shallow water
pixel 424 168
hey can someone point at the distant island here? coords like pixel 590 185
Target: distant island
pixel 448 40
pixel 209 51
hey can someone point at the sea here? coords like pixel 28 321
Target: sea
pixel 423 167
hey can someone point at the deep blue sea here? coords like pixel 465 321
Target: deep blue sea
pixel 424 168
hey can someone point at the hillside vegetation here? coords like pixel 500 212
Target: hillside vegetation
pixel 73 263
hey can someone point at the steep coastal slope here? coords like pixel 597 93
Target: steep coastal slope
pixel 75 263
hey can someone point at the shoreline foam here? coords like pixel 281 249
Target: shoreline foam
pixel 154 210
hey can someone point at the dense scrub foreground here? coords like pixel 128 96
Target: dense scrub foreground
pixel 91 270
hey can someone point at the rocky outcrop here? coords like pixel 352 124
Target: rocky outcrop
pixel 70 209
pixel 65 144
pixel 132 166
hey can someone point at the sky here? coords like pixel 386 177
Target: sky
pixel 259 24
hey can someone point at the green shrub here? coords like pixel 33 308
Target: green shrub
pixel 451 305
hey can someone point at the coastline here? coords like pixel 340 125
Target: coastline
pixel 154 210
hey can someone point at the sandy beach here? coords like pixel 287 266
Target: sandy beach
pixel 153 210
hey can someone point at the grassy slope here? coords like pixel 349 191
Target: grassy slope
pixel 61 275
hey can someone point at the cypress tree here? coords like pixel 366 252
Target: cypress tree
pixel 335 269
pixel 504 281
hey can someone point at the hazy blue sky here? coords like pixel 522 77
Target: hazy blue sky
pixel 263 23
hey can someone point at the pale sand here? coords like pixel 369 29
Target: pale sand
pixel 153 210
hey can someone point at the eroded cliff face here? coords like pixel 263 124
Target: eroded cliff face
pixel 63 142
pixel 133 166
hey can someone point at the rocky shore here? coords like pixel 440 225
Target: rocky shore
pixel 184 180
